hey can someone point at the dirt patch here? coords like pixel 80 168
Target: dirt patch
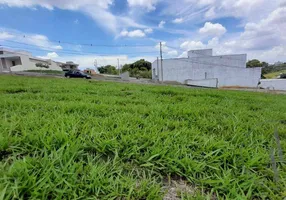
pixel 175 187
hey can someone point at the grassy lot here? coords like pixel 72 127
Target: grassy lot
pixel 79 139
pixel 274 74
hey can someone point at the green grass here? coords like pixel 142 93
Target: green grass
pixel 79 139
pixel 274 74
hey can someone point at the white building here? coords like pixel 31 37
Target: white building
pixel 201 68
pixel 21 61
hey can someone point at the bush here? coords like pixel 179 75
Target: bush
pixel 139 69
pixel 42 65
pixel 108 69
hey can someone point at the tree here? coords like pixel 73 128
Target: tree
pixel 253 63
pixel 265 64
pixel 140 64
pixel 108 69
pixel 140 68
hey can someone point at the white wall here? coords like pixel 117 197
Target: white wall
pixel 173 70
pixel 30 64
pixel 1 67
pixel 228 76
pixel 200 53
pixel 276 84
pixel 203 83
pixel 182 69
pixel 227 60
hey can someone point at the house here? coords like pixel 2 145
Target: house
pixel 201 68
pixel 13 61
pixel 69 65
pixel 90 71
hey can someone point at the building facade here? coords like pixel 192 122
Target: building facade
pixel 201 68
pixel 90 71
pixel 13 61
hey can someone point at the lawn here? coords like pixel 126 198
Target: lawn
pixel 274 74
pixel 81 139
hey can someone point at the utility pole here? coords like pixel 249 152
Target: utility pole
pixel 158 68
pixel 95 64
pixel 118 66
pixel 161 60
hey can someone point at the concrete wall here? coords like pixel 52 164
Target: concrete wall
pixel 182 69
pixel 200 53
pixel 227 60
pixel 212 83
pixel 276 84
pixel 30 64
pixel 1 67
pixel 173 70
pixel 228 76
pixel 5 65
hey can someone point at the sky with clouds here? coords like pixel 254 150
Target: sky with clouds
pixel 107 30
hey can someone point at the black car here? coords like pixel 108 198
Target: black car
pixel 77 74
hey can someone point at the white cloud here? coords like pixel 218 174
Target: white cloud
pixel 148 30
pixel 167 51
pixel 267 33
pixel 214 44
pixel 183 55
pixel 164 46
pixel 5 36
pixel 210 13
pixel 188 45
pixel 27 40
pixel 58 47
pixel 134 33
pixel 39 40
pixel 161 24
pixel 149 5
pixel 97 10
pixel 277 53
pixel 50 55
pixel 172 53
pixel 178 21
pixel 211 29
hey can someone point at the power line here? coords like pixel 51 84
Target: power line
pixel 47 49
pixel 87 44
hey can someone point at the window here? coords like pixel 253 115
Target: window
pixel 13 63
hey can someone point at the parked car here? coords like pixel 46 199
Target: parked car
pixel 77 74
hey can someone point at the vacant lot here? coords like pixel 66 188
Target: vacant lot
pixel 79 139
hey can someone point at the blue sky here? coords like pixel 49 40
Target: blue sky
pixel 85 30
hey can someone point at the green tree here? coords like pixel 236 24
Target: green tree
pixel 126 67
pixel 140 64
pixel 253 63
pixel 139 69
pixel 108 69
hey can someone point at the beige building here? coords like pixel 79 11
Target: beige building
pixel 90 71
pixel 13 61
